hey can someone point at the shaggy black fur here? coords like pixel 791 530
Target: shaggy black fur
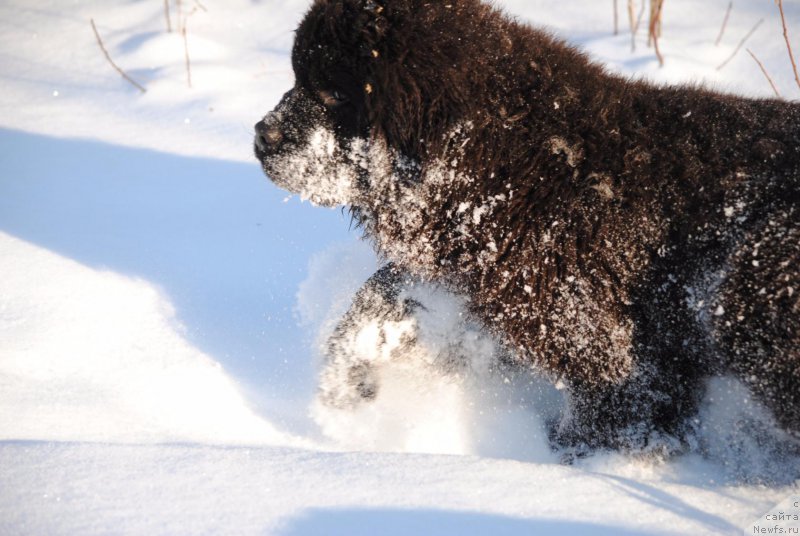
pixel 632 240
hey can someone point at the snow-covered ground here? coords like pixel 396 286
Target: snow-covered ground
pixel 160 302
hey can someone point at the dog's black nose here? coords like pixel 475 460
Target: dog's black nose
pixel 268 137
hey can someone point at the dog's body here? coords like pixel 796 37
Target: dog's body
pixel 628 239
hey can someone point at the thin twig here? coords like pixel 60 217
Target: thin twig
pixel 201 6
pixel 660 10
pixel 636 22
pixel 184 22
pixel 763 70
pixel 114 65
pixel 616 18
pixel 740 45
pixel 655 21
pixel 639 18
pixel 724 24
pixel 788 45
pixel 632 22
pixel 179 9
pixel 166 15
pixel 186 54
pixel 655 29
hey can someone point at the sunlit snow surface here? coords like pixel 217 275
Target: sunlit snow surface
pixel 161 304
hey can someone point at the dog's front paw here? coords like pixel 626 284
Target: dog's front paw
pixel 347 387
pixel 378 328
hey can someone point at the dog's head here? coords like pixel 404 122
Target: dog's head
pixel 394 71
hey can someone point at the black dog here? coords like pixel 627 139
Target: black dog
pixel 631 240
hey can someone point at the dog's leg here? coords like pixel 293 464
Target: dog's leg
pixel 757 320
pixel 396 320
pixel 378 324
pixel 744 320
pixel 647 413
pixel 648 407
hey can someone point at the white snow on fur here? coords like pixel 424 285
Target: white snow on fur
pixel 318 171
pixel 141 295
pixel 457 407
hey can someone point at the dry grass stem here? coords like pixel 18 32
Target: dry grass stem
pixel 763 70
pixel 616 18
pixel 114 65
pixel 186 55
pixel 788 44
pixel 166 15
pixel 655 27
pixel 638 25
pixel 724 24
pixel 655 21
pixel 179 9
pixel 632 22
pixel 183 21
pixel 741 44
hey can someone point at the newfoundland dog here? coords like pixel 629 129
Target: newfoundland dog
pixel 629 240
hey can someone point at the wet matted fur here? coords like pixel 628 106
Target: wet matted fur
pixel 631 240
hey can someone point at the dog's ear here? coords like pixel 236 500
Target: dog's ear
pixel 417 68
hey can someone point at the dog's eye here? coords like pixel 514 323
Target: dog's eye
pixel 332 98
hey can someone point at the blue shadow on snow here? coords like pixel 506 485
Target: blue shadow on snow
pixel 395 522
pixel 216 236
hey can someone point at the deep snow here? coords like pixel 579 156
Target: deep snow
pixel 160 305
pixel 177 489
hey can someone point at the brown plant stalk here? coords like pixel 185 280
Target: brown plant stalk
pixel 632 22
pixel 166 15
pixel 740 45
pixel 655 14
pixel 179 15
pixel 655 28
pixel 635 22
pixel 724 24
pixel 114 65
pixel 764 70
pixel 186 55
pixel 788 44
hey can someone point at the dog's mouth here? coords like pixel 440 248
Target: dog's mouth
pixel 273 164
pixel 259 153
pixel 265 158
pixel 318 170
pixel 265 153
